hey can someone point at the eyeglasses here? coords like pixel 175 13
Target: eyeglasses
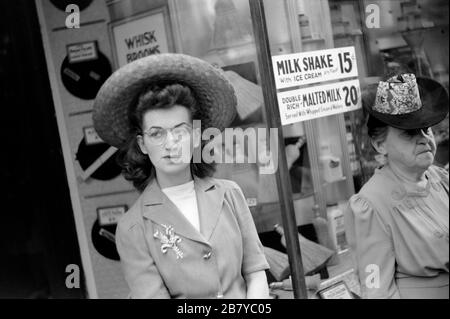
pixel 415 132
pixel 158 135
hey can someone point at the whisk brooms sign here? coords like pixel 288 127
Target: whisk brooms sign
pixel 141 36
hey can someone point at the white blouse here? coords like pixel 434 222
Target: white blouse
pixel 185 199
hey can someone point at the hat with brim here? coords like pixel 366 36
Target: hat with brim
pixel 406 103
pixel 214 94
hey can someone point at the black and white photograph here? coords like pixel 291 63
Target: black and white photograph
pixel 225 149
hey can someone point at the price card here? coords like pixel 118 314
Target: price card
pixel 252 202
pixel 337 291
pixel 318 101
pixel 90 136
pixel 110 215
pixel 84 51
pixel 299 69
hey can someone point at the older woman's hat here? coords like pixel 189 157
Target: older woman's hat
pixel 213 92
pixel 405 102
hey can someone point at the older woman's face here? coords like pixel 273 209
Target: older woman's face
pixel 413 150
pixel 170 154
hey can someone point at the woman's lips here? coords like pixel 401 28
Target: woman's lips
pixel 172 157
pixel 425 151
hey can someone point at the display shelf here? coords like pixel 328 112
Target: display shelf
pixel 344 270
pixel 312 40
pixel 297 196
pixel 325 184
pixel 352 34
pixel 418 30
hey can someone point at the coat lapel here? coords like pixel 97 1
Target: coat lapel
pixel 210 201
pixel 160 209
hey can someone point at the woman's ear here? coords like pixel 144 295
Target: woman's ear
pixel 380 146
pixel 140 141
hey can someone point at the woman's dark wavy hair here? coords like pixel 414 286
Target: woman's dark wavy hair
pixel 136 166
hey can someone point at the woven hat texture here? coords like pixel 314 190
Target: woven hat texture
pixel 213 92
pixel 407 102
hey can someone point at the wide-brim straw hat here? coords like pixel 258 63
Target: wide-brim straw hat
pixel 407 102
pixel 214 94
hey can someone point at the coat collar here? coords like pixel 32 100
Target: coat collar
pixel 160 209
pixel 400 191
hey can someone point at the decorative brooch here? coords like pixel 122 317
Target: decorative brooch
pixel 169 240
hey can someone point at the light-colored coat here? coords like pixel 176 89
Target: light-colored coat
pixel 215 260
pixel 400 236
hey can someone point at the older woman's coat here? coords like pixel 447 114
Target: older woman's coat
pixel 400 236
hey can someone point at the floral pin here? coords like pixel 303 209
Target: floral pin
pixel 169 240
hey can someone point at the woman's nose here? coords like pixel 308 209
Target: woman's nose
pixel 425 136
pixel 171 140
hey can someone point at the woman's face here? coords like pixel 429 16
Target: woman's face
pixel 167 139
pixel 412 150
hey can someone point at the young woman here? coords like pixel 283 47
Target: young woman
pixel 398 223
pixel 188 235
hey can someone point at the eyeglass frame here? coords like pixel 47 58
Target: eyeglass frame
pixel 428 131
pixel 166 131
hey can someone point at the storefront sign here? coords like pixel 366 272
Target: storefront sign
pixel 84 78
pixel 103 233
pixel 90 136
pixel 141 36
pixel 110 215
pixel 252 202
pixel 98 161
pixel 337 291
pixel 318 101
pixel 300 69
pixel 82 52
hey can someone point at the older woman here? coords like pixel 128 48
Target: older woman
pixel 188 235
pixel 398 223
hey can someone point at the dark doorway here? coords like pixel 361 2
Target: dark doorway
pixel 38 237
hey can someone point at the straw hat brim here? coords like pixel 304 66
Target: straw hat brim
pixel 434 109
pixel 213 92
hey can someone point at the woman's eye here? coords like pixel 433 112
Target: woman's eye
pixel 410 133
pixel 416 132
pixel 180 131
pixel 155 134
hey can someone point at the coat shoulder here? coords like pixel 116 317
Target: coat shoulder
pixel 226 184
pixel 438 173
pixel 132 217
pixel 378 186
pixel 380 194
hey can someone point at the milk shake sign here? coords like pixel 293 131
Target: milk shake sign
pixel 321 83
